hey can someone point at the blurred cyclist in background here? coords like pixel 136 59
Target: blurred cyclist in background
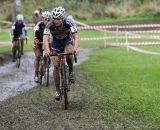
pixel 38 42
pixel 19 30
pixel 65 39
pixel 37 15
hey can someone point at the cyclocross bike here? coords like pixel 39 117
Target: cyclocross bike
pixel 64 76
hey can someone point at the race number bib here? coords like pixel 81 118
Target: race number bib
pixel 73 29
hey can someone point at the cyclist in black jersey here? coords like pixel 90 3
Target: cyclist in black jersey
pixel 38 42
pixel 65 38
pixel 19 29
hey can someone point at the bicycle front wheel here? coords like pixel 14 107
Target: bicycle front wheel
pixel 64 85
pixel 47 72
pixel 40 76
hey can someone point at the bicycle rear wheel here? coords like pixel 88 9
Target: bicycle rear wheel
pixel 47 72
pixel 64 85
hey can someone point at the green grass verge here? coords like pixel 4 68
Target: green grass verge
pixel 155 48
pixel 4 36
pixel 127 80
pixel 115 89
pixel 122 20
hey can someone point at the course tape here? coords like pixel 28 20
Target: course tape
pixel 132 43
pixel 120 37
pixel 119 26
pixel 143 51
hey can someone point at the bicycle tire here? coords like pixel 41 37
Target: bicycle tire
pixel 40 76
pixel 47 72
pixel 64 85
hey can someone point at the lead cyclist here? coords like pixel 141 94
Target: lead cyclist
pixel 65 38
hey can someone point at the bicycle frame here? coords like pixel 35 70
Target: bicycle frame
pixel 63 76
pixel 47 70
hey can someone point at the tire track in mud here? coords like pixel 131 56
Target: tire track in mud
pixel 14 80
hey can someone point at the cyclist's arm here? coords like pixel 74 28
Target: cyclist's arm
pixel 12 31
pixel 46 40
pixel 76 41
pixel 25 30
pixel 74 32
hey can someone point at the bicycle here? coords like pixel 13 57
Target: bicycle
pixel 64 76
pixel 18 51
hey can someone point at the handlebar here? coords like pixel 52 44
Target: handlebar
pixel 62 54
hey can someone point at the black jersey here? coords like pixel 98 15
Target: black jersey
pixel 39 29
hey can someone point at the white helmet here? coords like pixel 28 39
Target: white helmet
pixel 58 12
pixel 46 14
pixel 20 17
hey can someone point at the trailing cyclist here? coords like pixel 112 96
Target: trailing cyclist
pixel 37 15
pixel 19 29
pixel 65 39
pixel 38 42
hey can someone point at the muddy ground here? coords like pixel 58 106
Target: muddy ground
pixel 26 106
pixel 14 80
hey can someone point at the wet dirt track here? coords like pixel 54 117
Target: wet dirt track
pixel 14 80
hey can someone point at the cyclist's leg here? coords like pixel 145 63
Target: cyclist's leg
pixel 13 49
pixel 36 63
pixel 69 59
pixel 22 43
pixel 56 72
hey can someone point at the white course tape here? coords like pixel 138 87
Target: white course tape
pixel 143 51
pixel 118 26
pixel 132 43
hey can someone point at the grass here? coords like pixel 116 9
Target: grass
pixel 5 49
pixel 150 48
pixel 121 20
pixel 5 36
pixel 128 80
pixel 115 89
pixel 8 48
